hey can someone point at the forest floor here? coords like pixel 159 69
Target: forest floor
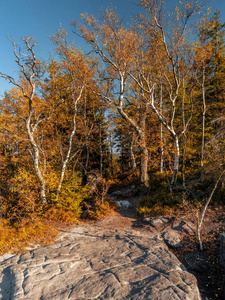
pixel 204 265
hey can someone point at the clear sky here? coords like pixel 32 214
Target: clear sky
pixel 42 18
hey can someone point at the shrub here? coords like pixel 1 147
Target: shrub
pixel 98 203
pixel 68 207
pixel 95 210
pixel 16 238
pixel 20 198
pixel 159 200
pixel 123 180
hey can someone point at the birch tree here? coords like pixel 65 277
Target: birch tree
pixel 77 73
pixel 169 52
pixel 30 71
pixel 117 48
pixel 203 52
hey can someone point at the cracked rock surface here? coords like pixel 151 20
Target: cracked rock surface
pixel 95 263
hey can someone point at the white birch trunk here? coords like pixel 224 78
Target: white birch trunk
pixel 100 149
pixel 176 159
pixel 35 157
pixel 172 133
pixel 111 153
pixel 144 151
pixel 35 153
pixel 184 138
pixel 203 121
pixel 133 161
pixel 65 161
pixel 161 136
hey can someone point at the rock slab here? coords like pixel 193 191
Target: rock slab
pixel 93 264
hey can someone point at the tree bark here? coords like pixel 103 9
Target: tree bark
pixel 100 148
pixel 203 122
pixel 176 159
pixel 111 154
pixel 143 147
pixel 144 161
pixel 161 135
pixel 35 154
pixel 133 161
pixel 184 137
pixel 139 129
pixel 70 143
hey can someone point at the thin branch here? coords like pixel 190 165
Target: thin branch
pixel 205 208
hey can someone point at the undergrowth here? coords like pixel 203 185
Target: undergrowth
pixel 17 238
pixel 98 204
pixel 31 227
pixel 123 180
pixel 159 200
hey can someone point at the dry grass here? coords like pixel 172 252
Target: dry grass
pixel 16 239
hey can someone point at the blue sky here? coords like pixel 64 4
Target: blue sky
pixel 42 18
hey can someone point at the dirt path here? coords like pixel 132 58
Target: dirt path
pixel 122 218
